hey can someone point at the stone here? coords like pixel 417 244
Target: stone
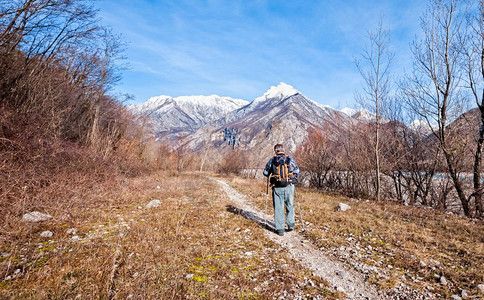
pixel 153 203
pixel 342 207
pixel 47 233
pixel 455 297
pixel 36 216
pixel 464 294
pixel 422 264
pixel 443 281
pixel 433 263
pixel 72 231
pixel 480 287
pixel 341 273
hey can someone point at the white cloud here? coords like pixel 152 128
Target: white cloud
pixel 218 47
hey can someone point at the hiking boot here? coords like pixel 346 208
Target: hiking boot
pixel 290 228
pixel 280 232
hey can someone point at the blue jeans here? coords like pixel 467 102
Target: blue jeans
pixel 283 197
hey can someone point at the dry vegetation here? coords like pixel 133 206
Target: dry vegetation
pixel 410 245
pixel 437 163
pixel 191 247
pixel 69 149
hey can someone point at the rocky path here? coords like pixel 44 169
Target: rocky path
pixel 339 276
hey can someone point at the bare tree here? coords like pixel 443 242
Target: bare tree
pixel 433 90
pixel 472 45
pixel 356 160
pixel 374 68
pixel 44 30
pixel 317 158
pixel 106 74
pixel 57 62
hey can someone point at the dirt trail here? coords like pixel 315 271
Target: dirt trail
pixel 339 276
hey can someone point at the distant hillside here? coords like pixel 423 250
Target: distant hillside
pixel 217 125
pixel 282 114
pixel 181 116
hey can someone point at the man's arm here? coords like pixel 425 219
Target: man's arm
pixel 268 170
pixel 295 168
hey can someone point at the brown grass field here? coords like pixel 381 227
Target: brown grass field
pixel 193 247
pixel 190 247
pixel 396 239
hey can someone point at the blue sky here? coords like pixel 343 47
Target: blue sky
pixel 242 48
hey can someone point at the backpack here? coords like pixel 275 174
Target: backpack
pixel 282 173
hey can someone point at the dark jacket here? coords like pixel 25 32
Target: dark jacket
pixel 292 166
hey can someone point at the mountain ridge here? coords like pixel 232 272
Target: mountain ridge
pixel 219 125
pixel 281 115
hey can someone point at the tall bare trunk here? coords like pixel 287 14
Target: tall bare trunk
pixel 477 167
pixel 377 150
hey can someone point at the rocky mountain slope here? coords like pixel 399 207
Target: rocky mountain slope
pixel 282 114
pixel 181 116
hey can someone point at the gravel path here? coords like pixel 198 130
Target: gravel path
pixel 339 276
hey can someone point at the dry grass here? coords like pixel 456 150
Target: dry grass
pixel 395 239
pixel 191 247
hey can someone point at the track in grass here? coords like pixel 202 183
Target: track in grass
pixel 340 277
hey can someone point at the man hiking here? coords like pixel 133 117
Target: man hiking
pixel 283 172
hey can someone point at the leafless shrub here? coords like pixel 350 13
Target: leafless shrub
pixel 317 157
pixel 232 163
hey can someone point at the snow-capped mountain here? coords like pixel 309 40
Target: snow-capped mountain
pixel 349 111
pixel 282 114
pixel 361 114
pixel 275 93
pixel 184 115
pixel 422 126
pixel 279 92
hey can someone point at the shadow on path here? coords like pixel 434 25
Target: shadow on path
pixel 268 225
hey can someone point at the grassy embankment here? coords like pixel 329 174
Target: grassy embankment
pixel 410 245
pixel 191 247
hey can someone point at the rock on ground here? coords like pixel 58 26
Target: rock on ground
pixel 72 231
pixel 36 216
pixel 153 203
pixel 47 233
pixel 342 207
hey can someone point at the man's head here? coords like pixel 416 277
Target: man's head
pixel 279 148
